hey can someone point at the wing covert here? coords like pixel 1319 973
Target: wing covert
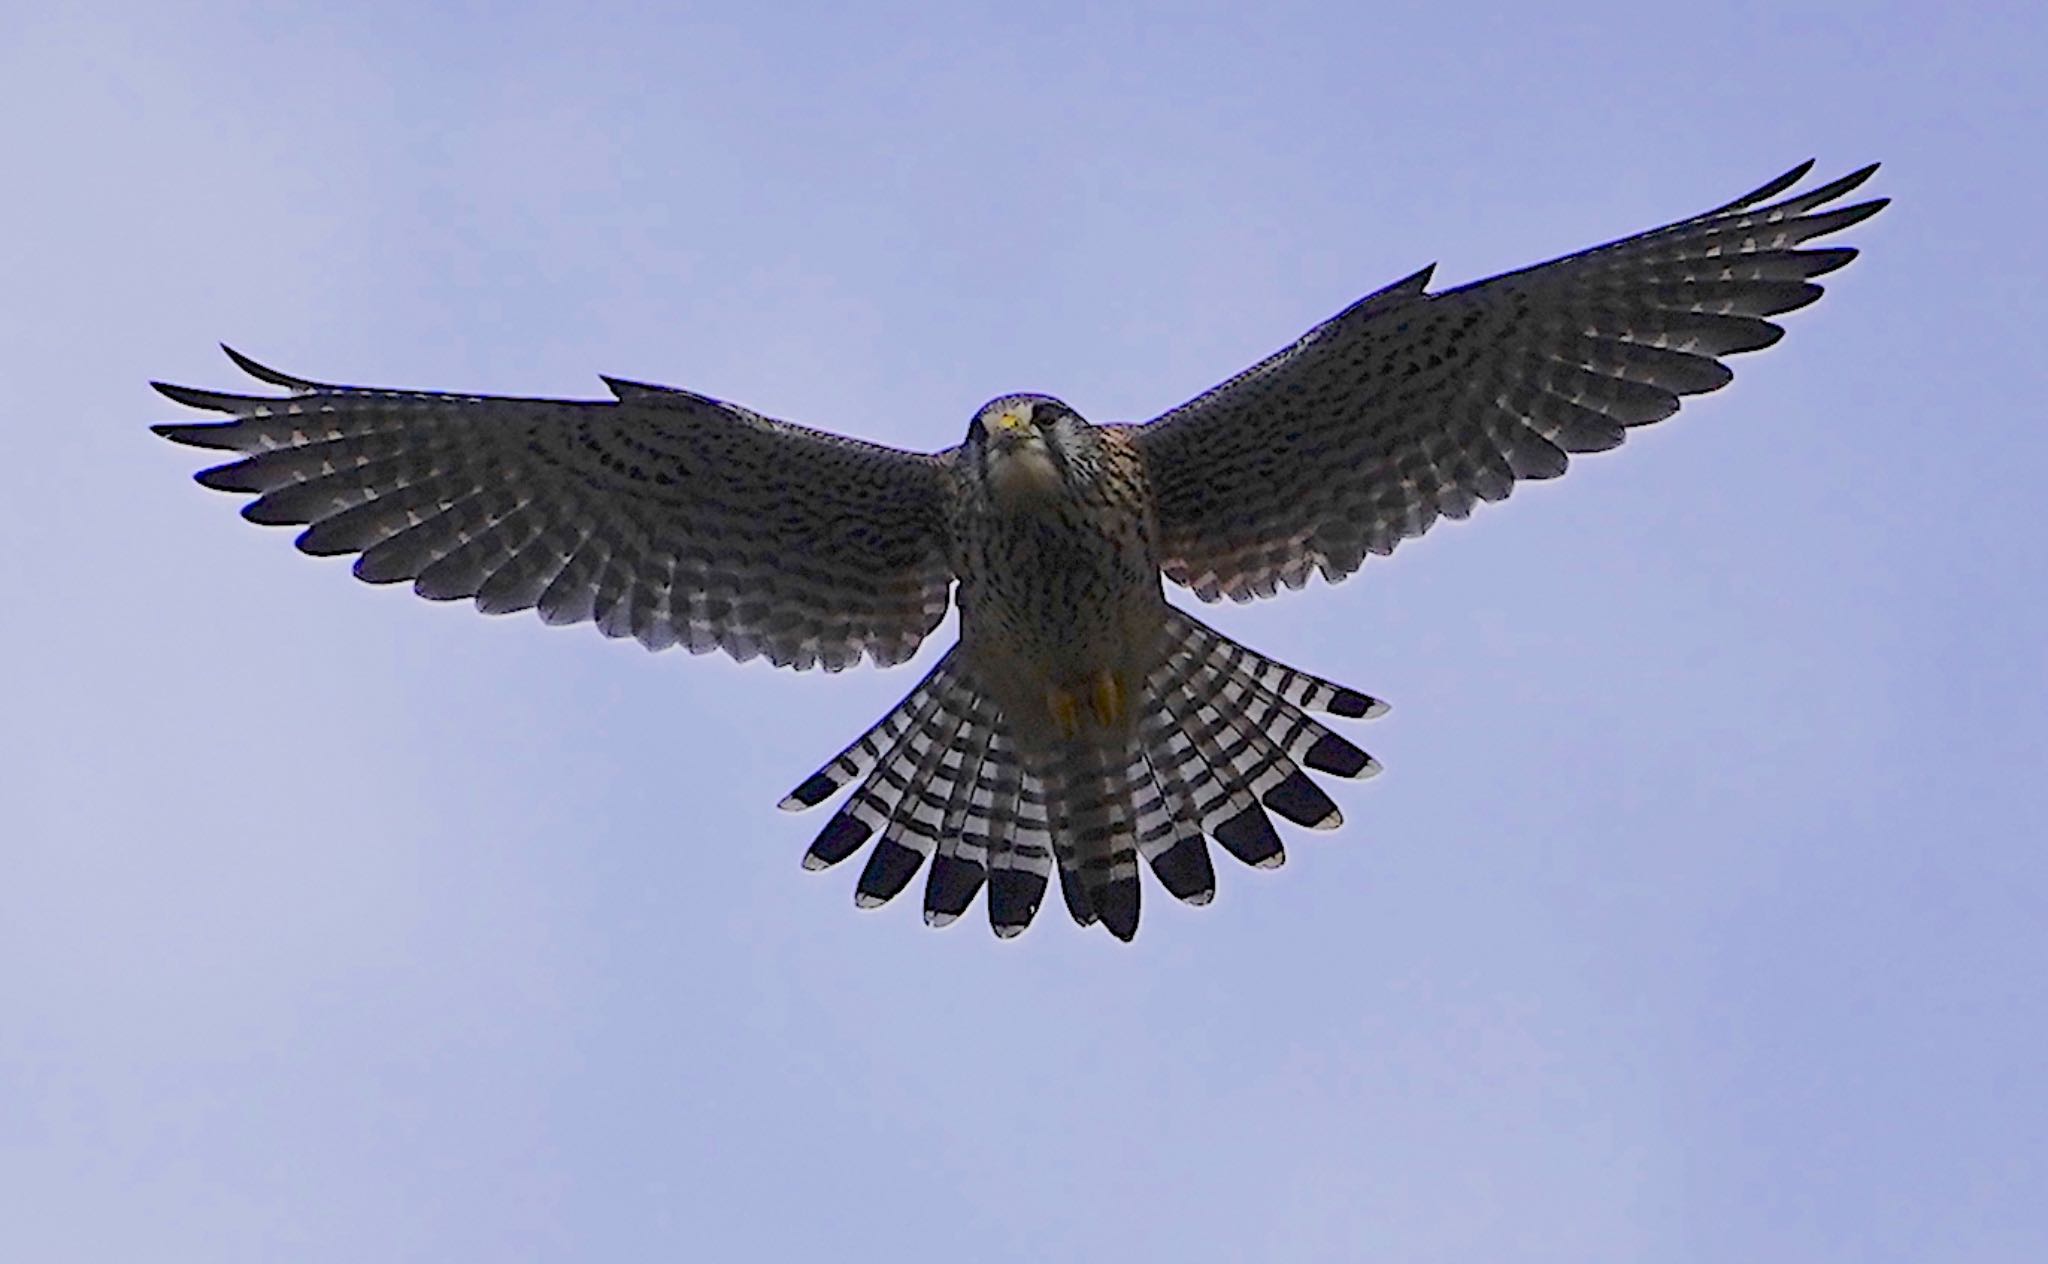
pixel 1409 406
pixel 661 515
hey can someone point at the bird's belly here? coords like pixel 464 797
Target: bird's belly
pixel 1055 610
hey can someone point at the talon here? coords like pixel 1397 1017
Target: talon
pixel 1108 697
pixel 1066 712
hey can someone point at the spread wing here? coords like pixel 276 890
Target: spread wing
pixel 1408 406
pixel 659 515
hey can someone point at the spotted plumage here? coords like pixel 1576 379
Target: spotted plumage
pixel 1083 726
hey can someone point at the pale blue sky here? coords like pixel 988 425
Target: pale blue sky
pixel 1698 916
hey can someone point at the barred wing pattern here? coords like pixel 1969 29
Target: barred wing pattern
pixel 1409 406
pixel 661 515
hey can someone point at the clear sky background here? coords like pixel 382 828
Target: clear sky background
pixel 1698 917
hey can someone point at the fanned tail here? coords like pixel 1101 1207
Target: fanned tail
pixel 1223 737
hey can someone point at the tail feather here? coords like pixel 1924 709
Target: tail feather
pixel 920 812
pixel 1189 732
pixel 1289 684
pixel 1175 849
pixel 1222 737
pixel 867 750
pixel 1095 837
pixel 887 777
pixel 1079 906
pixel 1262 702
pixel 1020 847
pixel 960 866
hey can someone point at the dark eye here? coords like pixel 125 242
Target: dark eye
pixel 1044 415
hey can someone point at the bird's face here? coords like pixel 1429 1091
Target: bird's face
pixel 1029 446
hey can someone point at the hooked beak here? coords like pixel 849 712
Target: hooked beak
pixel 1010 430
pixel 1020 461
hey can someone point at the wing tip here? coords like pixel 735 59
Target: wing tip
pixel 190 397
pixel 1768 189
pixel 1413 286
pixel 214 435
pixel 1782 183
pixel 623 389
pixel 264 373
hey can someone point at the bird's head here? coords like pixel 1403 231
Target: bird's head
pixel 1030 446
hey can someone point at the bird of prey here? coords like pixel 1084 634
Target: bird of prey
pixel 1081 721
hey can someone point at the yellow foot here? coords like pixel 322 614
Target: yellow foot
pixel 1108 696
pixel 1105 695
pixel 1066 711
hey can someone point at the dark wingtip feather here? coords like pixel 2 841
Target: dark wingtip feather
pixel 1837 187
pixel 222 436
pixel 1849 216
pixel 272 511
pixel 232 477
pixel 264 373
pixel 1822 260
pixel 1787 296
pixel 1758 335
pixel 381 566
pixel 1393 294
pixel 1768 189
pixel 1414 285
pixel 327 539
pixel 623 390
pixel 194 397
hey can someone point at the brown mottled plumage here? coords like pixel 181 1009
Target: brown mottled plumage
pixel 1081 722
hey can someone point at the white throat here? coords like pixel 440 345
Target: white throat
pixel 1024 475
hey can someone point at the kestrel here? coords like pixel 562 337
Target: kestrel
pixel 1081 721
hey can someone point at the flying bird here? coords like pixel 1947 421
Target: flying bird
pixel 1081 721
